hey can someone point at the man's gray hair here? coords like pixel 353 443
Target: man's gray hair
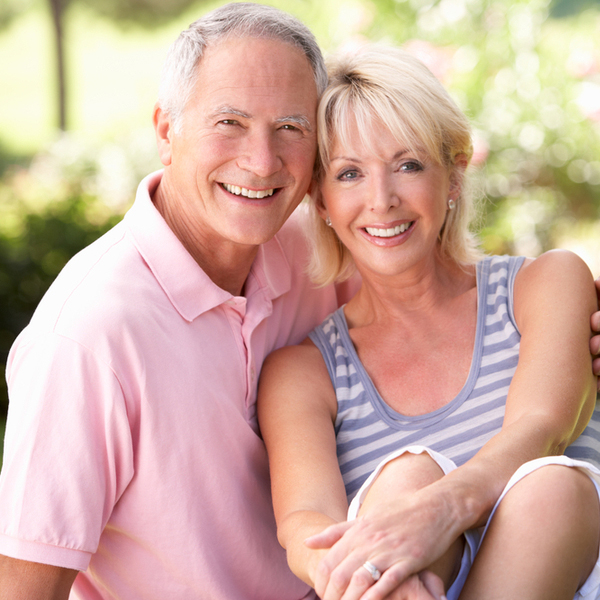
pixel 242 19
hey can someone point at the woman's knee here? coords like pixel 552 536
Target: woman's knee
pixel 410 472
pixel 554 509
pixel 554 488
pixel 404 474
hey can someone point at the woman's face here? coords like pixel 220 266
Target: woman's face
pixel 387 204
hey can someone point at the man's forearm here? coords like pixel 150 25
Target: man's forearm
pixel 24 580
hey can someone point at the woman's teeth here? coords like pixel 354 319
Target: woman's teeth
pixel 391 232
pixel 240 191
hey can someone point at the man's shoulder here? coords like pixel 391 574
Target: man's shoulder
pixel 96 288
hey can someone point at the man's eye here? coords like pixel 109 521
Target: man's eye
pixel 289 127
pixel 228 122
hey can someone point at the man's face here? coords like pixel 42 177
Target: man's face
pixel 244 157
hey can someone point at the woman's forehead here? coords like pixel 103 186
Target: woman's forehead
pixel 369 134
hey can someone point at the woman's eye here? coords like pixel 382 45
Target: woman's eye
pixel 348 175
pixel 411 166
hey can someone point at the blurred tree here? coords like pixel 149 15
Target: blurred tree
pixel 9 9
pixel 145 13
pixel 57 10
pixel 564 8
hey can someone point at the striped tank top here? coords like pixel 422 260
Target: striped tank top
pixel 367 429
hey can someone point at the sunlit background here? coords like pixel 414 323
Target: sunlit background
pixel 75 140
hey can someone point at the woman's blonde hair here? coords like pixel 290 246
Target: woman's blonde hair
pixel 389 86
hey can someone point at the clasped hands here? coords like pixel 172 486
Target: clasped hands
pixel 402 542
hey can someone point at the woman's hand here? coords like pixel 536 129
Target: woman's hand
pixel 424 586
pixel 401 542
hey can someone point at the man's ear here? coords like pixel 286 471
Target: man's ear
pixel 163 129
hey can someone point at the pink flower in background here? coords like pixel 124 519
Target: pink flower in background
pixel 583 63
pixel 589 100
pixel 481 150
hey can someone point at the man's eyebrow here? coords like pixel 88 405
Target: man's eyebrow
pixel 229 110
pixel 300 120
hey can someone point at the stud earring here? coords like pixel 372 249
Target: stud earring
pixel 451 203
pixel 328 221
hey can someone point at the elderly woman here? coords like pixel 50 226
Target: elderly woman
pixel 453 392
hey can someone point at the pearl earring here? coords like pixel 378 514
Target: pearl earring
pixel 451 203
pixel 328 221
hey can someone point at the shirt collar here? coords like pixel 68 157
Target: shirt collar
pixel 187 286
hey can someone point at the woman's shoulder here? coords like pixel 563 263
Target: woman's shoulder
pixel 298 359
pixel 295 376
pixel 554 266
pixel 558 278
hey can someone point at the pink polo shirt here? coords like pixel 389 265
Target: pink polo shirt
pixel 132 451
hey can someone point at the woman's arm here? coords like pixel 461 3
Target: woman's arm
pixel 296 410
pixel 552 394
pixel 550 401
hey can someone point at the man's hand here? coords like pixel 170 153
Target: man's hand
pixel 595 341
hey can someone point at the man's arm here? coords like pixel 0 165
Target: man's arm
pixel 24 580
pixel 595 341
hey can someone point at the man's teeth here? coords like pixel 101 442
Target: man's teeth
pixel 391 232
pixel 241 191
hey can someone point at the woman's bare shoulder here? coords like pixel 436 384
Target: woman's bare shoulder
pixel 557 280
pixel 300 357
pixel 296 377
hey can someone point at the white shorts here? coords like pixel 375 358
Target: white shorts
pixel 590 590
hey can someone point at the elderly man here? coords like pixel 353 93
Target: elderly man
pixel 134 469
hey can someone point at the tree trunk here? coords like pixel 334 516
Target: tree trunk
pixel 58 10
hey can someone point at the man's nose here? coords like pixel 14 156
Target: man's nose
pixel 262 154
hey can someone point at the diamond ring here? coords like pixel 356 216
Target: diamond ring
pixel 374 572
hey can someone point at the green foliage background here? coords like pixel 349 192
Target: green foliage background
pixel 527 72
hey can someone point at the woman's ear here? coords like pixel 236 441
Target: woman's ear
pixel 461 162
pixel 163 129
pixel 314 191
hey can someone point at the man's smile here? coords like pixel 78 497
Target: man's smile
pixel 242 191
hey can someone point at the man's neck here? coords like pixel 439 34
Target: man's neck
pixel 227 264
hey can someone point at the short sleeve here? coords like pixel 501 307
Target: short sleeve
pixel 67 455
